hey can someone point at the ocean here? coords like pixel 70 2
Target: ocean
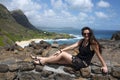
pixel 99 34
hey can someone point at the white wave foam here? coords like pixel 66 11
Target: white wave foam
pixel 27 42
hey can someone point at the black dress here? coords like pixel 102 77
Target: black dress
pixel 83 58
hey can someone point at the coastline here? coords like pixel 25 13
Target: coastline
pixel 105 35
pixel 59 41
pixel 27 42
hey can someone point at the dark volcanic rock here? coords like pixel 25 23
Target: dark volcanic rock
pixel 19 66
pixel 4 68
pixel 63 77
pixel 25 66
pixel 116 36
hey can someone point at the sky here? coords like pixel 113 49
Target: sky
pixel 97 14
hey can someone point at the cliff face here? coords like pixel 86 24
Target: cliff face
pixel 22 19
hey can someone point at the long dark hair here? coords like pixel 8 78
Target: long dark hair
pixel 92 39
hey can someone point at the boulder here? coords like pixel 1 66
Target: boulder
pixel 4 68
pixel 116 36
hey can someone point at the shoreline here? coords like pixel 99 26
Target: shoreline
pixel 65 41
pixel 37 40
pixel 27 42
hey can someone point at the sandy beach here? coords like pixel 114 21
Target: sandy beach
pixel 27 42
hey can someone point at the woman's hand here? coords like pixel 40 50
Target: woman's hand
pixel 104 69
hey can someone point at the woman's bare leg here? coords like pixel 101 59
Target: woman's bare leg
pixel 62 58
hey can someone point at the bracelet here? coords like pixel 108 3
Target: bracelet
pixel 60 50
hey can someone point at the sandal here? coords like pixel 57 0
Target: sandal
pixel 37 63
pixel 34 57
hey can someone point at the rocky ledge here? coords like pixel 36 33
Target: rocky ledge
pixel 16 64
pixel 116 36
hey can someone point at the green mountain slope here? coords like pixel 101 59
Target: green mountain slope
pixel 15 26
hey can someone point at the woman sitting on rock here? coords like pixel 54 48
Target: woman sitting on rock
pixel 88 46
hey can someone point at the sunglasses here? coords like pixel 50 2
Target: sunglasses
pixel 86 34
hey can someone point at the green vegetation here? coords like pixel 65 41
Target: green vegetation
pixel 19 33
pixel 16 27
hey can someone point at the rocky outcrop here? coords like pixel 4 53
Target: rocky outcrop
pixel 16 64
pixel 116 36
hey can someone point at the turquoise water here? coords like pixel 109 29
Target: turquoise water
pixel 99 34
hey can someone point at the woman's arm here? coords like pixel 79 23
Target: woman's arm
pixel 72 46
pixel 68 47
pixel 96 49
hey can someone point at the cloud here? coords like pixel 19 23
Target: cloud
pixel 25 5
pixel 101 15
pixel 84 5
pixel 62 19
pixel 58 5
pixel 103 4
pixel 57 13
pixel 82 16
pixel 49 13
